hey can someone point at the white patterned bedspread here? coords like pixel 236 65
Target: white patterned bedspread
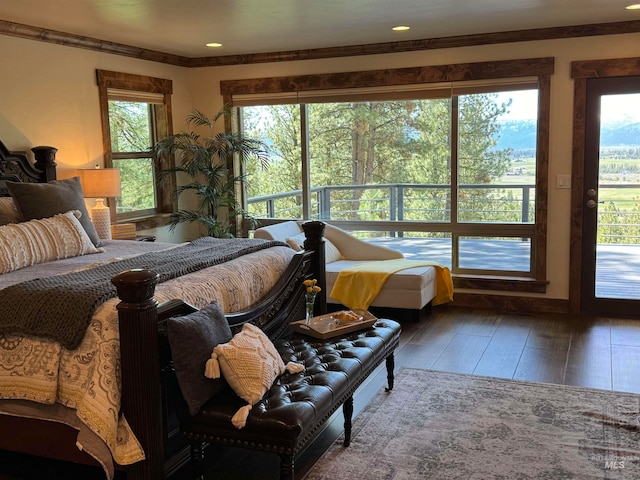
pixel 82 387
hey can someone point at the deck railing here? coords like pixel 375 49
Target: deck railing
pixel 400 201
pixel 618 216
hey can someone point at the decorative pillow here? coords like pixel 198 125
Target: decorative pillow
pixel 39 241
pixel 8 211
pixel 296 242
pixel 249 363
pixel 43 200
pixel 331 252
pixel 191 338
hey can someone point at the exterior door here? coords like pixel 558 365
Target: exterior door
pixel 610 283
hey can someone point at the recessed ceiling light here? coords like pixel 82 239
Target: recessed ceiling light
pixel 214 45
pixel 635 6
pixel 400 28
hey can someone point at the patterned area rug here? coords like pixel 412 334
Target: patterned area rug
pixel 445 426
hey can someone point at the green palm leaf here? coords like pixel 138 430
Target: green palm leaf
pixel 207 160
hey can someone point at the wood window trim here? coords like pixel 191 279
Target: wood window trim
pixel 531 67
pixel 496 283
pixel 542 68
pixel 164 126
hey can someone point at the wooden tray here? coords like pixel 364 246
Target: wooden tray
pixel 342 329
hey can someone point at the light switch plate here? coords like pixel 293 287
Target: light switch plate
pixel 563 181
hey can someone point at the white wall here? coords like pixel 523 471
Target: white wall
pixel 48 96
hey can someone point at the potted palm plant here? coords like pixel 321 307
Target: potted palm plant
pixel 206 160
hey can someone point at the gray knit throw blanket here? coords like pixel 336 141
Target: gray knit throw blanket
pixel 60 308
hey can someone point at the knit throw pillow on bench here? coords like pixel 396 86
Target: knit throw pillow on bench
pixel 249 363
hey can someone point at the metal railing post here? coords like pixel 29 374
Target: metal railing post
pixel 525 203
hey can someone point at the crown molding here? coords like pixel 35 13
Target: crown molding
pixel 554 33
pixel 71 40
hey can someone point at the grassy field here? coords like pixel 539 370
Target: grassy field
pixel 613 171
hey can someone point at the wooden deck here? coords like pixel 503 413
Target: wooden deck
pixel 617 266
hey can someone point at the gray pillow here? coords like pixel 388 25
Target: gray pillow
pixel 192 339
pixel 43 200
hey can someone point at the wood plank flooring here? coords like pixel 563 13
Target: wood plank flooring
pixel 596 352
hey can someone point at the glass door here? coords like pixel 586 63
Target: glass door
pixel 611 224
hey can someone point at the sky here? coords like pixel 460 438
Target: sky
pixel 614 107
pixel 524 105
pixel 620 107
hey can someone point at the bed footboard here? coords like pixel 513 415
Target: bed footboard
pixel 145 396
pixel 139 350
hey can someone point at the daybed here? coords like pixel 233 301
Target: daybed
pixel 411 289
pixel 121 366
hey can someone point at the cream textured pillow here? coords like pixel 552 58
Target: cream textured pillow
pixel 249 363
pixel 296 242
pixel 8 211
pixel 39 241
pixel 331 252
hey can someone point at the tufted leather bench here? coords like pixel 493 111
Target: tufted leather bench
pixel 297 406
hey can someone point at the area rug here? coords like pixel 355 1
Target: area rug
pixel 437 425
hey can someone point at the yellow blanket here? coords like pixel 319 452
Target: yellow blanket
pixel 358 285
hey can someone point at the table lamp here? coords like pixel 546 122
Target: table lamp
pixel 100 183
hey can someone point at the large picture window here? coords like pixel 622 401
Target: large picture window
pixel 444 173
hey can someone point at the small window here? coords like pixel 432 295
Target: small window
pixel 133 121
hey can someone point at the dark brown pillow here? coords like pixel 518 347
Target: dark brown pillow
pixel 192 338
pixel 43 200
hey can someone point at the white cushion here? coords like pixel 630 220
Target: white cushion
pixel 331 253
pixel 278 231
pixel 353 248
pixel 296 242
pixel 39 241
pixel 411 288
pixel 346 245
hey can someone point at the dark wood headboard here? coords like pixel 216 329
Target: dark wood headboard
pixel 16 167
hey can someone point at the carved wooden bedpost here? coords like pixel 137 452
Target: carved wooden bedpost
pixel 141 396
pixel 46 161
pixel 314 233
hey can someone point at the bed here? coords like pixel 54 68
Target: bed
pixel 105 398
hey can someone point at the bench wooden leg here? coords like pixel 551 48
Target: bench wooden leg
pixel 347 410
pixel 286 467
pixel 197 460
pixel 390 366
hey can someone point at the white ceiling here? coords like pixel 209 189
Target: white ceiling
pixel 183 27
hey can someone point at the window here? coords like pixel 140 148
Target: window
pixel 136 112
pixel 453 172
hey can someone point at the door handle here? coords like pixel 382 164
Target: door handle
pixel 592 194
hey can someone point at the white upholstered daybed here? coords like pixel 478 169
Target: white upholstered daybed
pixel 409 289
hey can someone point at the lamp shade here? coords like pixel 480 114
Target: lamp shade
pixel 100 182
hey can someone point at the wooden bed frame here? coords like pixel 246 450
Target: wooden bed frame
pixel 146 370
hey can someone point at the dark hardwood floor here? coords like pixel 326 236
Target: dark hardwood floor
pixel 596 352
